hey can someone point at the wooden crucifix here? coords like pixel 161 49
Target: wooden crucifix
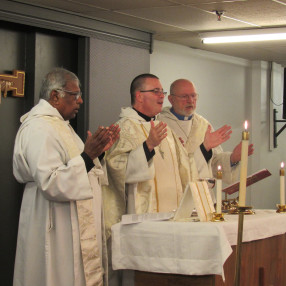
pixel 14 83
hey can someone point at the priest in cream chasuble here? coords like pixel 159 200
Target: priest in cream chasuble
pixel 200 139
pixel 148 167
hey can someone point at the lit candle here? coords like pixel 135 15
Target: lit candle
pixel 218 189
pixel 282 185
pixel 243 166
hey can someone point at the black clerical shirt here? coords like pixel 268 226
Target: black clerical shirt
pixel 149 155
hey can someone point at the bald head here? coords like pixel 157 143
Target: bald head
pixel 180 83
pixel 183 97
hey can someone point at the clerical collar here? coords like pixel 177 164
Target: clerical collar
pixel 147 118
pixel 181 117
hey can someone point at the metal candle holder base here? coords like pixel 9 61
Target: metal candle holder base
pixel 281 209
pixel 242 209
pixel 217 217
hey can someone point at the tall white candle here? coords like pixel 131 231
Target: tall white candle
pixel 218 189
pixel 282 184
pixel 243 166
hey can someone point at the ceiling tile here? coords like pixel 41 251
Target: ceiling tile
pixel 181 21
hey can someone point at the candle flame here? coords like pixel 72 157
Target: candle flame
pixel 245 124
pixel 282 165
pixel 219 167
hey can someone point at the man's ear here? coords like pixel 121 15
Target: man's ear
pixel 170 98
pixel 54 98
pixel 139 96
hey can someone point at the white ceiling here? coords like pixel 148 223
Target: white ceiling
pixel 181 21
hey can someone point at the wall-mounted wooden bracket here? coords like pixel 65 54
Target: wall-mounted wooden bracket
pixel 275 133
pixel 14 83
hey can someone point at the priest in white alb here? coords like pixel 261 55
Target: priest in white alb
pixel 60 239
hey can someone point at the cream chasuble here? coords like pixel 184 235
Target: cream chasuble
pixel 156 185
pixel 89 247
pixel 193 133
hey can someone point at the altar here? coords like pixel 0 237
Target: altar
pixel 202 251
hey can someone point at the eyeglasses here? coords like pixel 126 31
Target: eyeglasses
pixel 193 96
pixel 156 91
pixel 76 94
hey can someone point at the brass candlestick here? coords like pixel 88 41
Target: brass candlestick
pixel 281 209
pixel 217 217
pixel 241 211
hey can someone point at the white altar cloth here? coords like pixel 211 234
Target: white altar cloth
pixel 263 224
pixel 170 247
pixel 191 248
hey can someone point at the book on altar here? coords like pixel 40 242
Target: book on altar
pixel 258 176
pixel 137 218
pixel 196 196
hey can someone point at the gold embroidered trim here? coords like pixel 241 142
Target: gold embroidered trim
pixel 201 200
pixel 206 195
pixel 155 180
pixel 89 248
pixel 173 161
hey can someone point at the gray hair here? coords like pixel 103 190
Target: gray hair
pixel 56 79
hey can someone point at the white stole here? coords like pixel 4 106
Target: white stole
pixel 89 247
pixel 168 185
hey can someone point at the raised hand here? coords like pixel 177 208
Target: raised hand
pixel 156 135
pixel 236 153
pixel 101 140
pixel 114 131
pixel 213 139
